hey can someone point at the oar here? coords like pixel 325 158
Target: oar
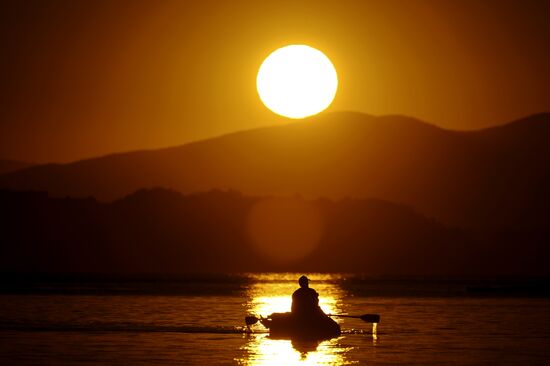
pixel 369 318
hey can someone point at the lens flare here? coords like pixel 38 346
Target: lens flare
pixel 284 229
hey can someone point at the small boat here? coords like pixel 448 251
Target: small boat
pixel 314 326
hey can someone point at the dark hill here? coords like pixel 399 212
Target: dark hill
pixel 8 166
pixel 477 179
pixel 164 232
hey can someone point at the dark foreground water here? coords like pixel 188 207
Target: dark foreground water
pixel 201 323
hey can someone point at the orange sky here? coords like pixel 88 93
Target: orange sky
pixel 81 79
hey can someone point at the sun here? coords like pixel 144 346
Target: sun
pixel 297 81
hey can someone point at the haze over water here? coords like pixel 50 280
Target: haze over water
pixel 200 321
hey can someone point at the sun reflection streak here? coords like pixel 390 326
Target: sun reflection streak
pixel 265 351
pixel 270 293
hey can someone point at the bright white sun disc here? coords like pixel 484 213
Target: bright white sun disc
pixel 297 81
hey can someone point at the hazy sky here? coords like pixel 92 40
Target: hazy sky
pixel 86 78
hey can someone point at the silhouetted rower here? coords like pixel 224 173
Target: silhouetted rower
pixel 305 300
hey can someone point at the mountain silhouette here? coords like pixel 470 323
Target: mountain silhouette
pixel 8 166
pixel 164 232
pixel 492 178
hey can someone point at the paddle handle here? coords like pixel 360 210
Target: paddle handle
pixel 345 316
pixel 369 318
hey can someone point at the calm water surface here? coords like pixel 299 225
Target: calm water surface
pixel 206 329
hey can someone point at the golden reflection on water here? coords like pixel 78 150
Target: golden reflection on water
pixel 262 350
pixel 270 293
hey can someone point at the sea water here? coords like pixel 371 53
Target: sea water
pixel 201 322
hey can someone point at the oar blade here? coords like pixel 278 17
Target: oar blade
pixel 370 318
pixel 250 320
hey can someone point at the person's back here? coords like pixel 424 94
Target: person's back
pixel 305 300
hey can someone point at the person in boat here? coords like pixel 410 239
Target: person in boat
pixel 305 300
pixel 306 320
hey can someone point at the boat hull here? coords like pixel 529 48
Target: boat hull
pixel 287 325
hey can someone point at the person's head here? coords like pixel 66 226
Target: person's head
pixel 303 281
